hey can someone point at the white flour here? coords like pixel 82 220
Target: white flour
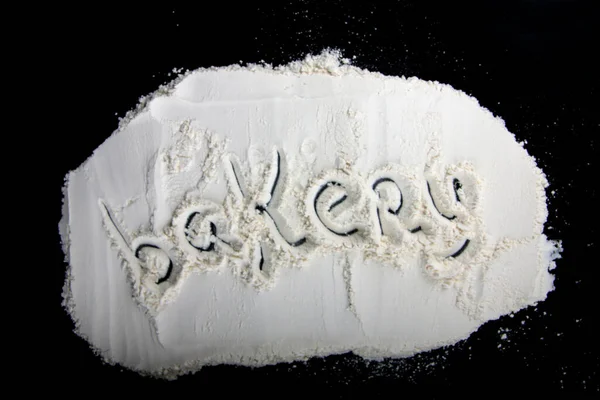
pixel 258 215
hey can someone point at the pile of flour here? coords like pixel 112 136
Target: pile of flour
pixel 255 215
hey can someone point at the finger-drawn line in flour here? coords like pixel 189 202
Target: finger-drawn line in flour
pixel 213 233
pixel 337 202
pixel 379 220
pixel 457 186
pixel 169 268
pixel 261 207
pixel 434 205
pixel 461 250
pixel 237 179
pixel 322 189
pixel 391 211
pixel 262 259
pixel 264 208
pixel 296 243
pixel 383 180
pixel 276 178
pixel 137 251
pixel 112 221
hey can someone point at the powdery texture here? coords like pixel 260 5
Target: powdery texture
pixel 258 215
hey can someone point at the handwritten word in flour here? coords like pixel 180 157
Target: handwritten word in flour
pixel 434 211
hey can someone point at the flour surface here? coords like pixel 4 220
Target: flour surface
pixel 255 215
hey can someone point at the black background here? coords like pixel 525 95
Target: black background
pixel 530 62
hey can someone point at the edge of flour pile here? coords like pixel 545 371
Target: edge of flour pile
pixel 328 62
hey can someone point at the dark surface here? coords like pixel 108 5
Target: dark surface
pixel 530 62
